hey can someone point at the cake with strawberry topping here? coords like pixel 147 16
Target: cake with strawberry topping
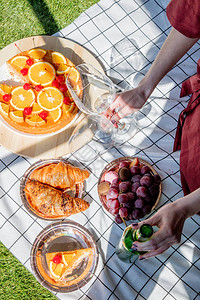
pixel 41 103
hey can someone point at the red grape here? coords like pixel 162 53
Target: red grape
pixel 128 205
pixel 146 181
pixel 136 178
pixel 131 196
pixel 124 164
pixel 123 212
pixel 142 192
pixel 123 198
pixel 135 170
pixel 112 194
pixel 139 203
pixel 135 186
pixel 118 219
pixel 145 169
pixel 157 179
pixel 124 186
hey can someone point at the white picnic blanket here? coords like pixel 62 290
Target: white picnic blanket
pixel 125 37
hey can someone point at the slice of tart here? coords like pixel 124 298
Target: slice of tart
pixel 62 264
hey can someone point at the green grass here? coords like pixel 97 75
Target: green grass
pixel 20 19
pixel 23 18
pixel 16 282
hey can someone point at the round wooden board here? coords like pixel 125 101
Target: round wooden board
pixel 57 145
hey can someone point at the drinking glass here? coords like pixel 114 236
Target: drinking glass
pixel 95 134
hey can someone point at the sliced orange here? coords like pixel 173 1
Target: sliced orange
pixel 63 68
pixel 17 116
pixel 41 73
pixel 56 114
pixel 58 58
pixel 50 98
pixel 56 269
pixel 5 89
pixel 68 257
pixel 37 53
pixel 4 109
pixel 35 121
pixel 22 98
pixel 36 109
pixel 19 61
pixel 74 75
pixel 69 108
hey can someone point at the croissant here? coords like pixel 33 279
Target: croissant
pixel 60 175
pixel 52 202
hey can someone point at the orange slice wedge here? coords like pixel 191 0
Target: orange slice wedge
pixel 19 61
pixel 74 75
pixel 56 114
pixel 5 89
pixel 36 109
pixel 37 53
pixel 63 68
pixel 17 116
pixel 58 58
pixel 35 121
pixel 41 73
pixel 56 269
pixel 4 109
pixel 50 98
pixel 22 98
pixel 69 108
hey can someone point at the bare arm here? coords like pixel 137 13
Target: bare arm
pixel 170 219
pixel 173 49
pixel 175 46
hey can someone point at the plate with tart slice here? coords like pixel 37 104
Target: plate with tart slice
pixel 53 189
pixel 64 256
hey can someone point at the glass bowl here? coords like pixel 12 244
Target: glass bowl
pixel 60 237
pixel 77 192
pixel 114 166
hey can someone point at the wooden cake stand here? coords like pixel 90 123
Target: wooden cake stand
pixel 56 145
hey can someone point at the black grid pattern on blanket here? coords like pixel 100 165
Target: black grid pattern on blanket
pixel 125 37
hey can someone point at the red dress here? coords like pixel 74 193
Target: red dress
pixel 184 16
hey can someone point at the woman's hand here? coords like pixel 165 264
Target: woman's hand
pixel 126 103
pixel 170 220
